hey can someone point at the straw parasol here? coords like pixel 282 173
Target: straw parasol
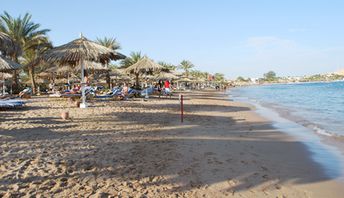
pixel 7 65
pixel 184 80
pixel 145 65
pixel 165 75
pixel 59 70
pixel 7 46
pixel 5 75
pixel 76 52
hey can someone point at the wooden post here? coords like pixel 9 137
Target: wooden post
pixel 181 98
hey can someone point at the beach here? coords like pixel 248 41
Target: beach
pixel 140 148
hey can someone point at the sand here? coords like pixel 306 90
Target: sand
pixel 140 149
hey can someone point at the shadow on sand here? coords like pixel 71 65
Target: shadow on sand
pixel 183 155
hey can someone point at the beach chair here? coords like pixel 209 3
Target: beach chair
pixel 11 103
pixel 148 91
pixel 26 93
pixel 133 93
pixel 114 93
pixel 167 92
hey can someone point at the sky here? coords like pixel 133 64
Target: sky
pixel 235 37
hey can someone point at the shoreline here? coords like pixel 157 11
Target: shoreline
pixel 320 146
pixel 311 134
pixel 139 148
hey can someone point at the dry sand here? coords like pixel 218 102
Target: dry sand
pixel 140 149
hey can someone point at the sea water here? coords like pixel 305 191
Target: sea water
pixel 318 106
pixel 308 111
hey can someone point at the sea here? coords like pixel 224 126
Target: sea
pixel 312 112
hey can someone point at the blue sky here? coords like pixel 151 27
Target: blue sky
pixel 237 38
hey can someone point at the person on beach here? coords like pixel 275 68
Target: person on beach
pixel 26 93
pixel 157 88
pixel 124 91
pixel 167 85
pixel 160 84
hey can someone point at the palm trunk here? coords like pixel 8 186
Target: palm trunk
pixel 15 77
pixel 32 77
pixel 108 80
pixel 137 81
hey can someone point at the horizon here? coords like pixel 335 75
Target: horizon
pixel 236 39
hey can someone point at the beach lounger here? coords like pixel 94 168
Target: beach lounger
pixel 11 103
pixel 148 91
pixel 114 93
pixel 166 92
pixel 133 93
pixel 26 93
pixel 88 91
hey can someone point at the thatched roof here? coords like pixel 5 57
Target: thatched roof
pixel 165 75
pixel 96 66
pixel 143 66
pixel 62 69
pixel 5 76
pixel 8 65
pixel 88 65
pixel 80 49
pixel 177 73
pixel 45 74
pixel 7 46
pixel 184 80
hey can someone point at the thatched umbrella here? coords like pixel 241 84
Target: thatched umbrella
pixel 76 52
pixel 143 66
pixel 184 80
pixel 7 46
pixel 5 75
pixel 7 65
pixel 59 70
pixel 165 75
pixel 45 74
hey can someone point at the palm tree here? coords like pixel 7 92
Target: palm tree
pixel 197 74
pixel 109 42
pixel 30 61
pixel 26 34
pixel 130 60
pixel 219 77
pixel 167 67
pixel 186 66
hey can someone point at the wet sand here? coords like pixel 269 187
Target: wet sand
pixel 140 149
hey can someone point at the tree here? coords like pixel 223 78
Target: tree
pixel 109 43
pixel 167 67
pixel 130 60
pixel 27 35
pixel 241 79
pixel 219 77
pixel 186 66
pixel 30 61
pixel 270 76
pixel 112 44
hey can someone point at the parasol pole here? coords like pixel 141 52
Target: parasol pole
pixel 83 97
pixel 3 84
